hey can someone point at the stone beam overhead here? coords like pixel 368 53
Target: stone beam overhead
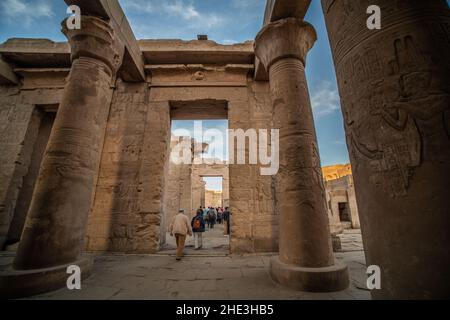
pixel 159 52
pixel 7 75
pixel 277 10
pixel 281 9
pixel 36 53
pixel 133 63
pixel 44 53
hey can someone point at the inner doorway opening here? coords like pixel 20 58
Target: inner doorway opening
pixel 197 179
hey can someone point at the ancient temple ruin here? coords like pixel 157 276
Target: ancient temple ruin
pixel 85 140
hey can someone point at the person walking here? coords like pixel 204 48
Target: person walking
pixel 219 215
pixel 206 217
pixel 180 228
pixel 198 227
pixel 226 219
pixel 212 216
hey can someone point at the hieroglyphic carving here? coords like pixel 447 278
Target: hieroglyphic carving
pixel 384 89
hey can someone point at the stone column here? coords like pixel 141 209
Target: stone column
pixel 56 222
pixel 394 87
pixel 305 260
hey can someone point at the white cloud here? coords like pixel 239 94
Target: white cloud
pixel 229 41
pixel 245 4
pixel 339 142
pixel 191 15
pixel 325 100
pixel 183 10
pixel 27 12
pixel 138 5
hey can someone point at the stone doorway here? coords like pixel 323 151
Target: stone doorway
pixel 197 174
pixel 36 140
pixel 344 215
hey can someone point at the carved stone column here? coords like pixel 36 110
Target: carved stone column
pixel 54 231
pixel 394 86
pixel 306 259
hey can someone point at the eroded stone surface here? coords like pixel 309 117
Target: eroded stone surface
pixel 395 99
pixel 199 278
pixel 56 223
pixel 394 88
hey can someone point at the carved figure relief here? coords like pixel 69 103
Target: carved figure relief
pixel 394 112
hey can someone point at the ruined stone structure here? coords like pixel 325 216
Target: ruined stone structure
pixel 184 186
pixel 342 205
pixel 213 198
pixel 336 171
pixel 219 169
pixel 86 125
pixel 341 198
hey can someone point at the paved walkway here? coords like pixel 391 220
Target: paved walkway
pixel 209 274
pixel 199 277
pixel 215 243
pixel 351 240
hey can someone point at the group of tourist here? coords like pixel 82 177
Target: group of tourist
pixel 204 218
pixel 213 215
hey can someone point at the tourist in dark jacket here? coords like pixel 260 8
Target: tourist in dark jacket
pixel 212 217
pixel 226 219
pixel 198 227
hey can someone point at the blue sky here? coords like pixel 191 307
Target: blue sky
pixel 225 21
pixel 213 183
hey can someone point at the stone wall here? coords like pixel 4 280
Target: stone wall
pixel 336 171
pixel 198 192
pixel 218 169
pixel 132 199
pixel 19 125
pixel 214 198
pixel 341 190
pixel 254 222
pixel 22 109
pixel 45 120
pixel 126 213
pixel 153 176
pixel 137 190
pixel 177 193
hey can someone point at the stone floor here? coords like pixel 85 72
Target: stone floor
pixel 351 240
pixel 215 243
pixel 208 275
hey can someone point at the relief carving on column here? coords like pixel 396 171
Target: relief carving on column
pixel 96 40
pixel 395 99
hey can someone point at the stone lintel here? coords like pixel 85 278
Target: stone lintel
pixel 198 75
pixel 277 10
pixel 281 9
pixel 186 84
pixel 158 52
pixel 7 75
pixel 36 53
pixel 161 54
pixel 204 109
pixel 43 78
pixel 150 67
pixel 48 99
pixel 133 65
pixel 41 71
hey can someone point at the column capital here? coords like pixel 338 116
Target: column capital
pixel 286 38
pixel 95 39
